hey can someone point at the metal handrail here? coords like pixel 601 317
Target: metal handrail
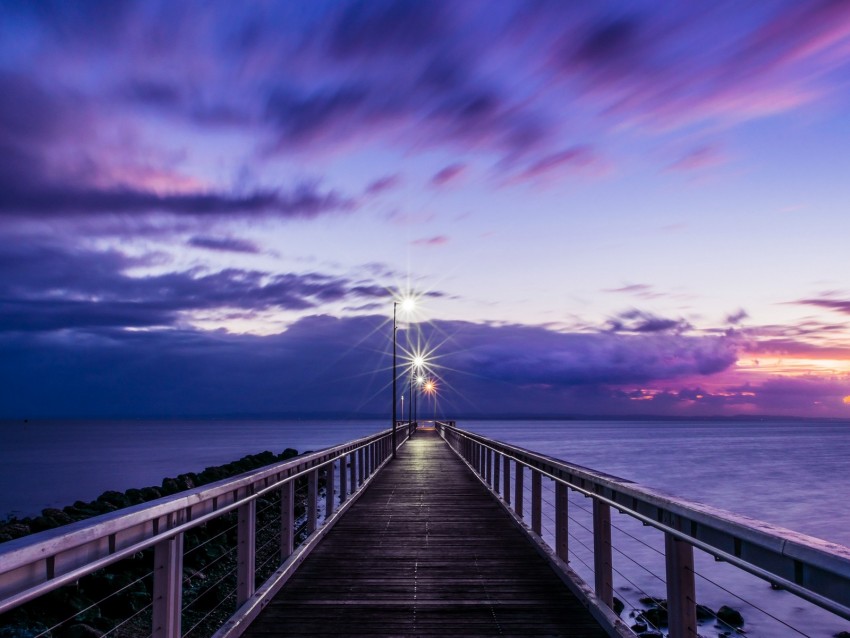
pixel 39 563
pixel 809 567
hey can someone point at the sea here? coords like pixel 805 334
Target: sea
pixel 794 473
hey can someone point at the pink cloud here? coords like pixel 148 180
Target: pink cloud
pixel 698 158
pixel 436 240
pixel 448 175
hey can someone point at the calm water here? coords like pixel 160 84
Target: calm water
pixel 792 474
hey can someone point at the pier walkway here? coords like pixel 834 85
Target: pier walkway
pixel 425 551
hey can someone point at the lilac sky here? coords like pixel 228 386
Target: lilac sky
pixel 606 208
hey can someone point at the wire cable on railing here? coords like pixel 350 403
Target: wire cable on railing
pixel 232 572
pixel 273 539
pixel 126 620
pixel 226 554
pixel 769 615
pixel 275 555
pixel 209 540
pixel 223 600
pixel 754 606
pixel 621 575
pixel 93 605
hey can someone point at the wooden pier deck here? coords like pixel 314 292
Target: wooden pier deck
pixel 425 551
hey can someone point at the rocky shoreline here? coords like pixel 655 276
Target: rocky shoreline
pixel 117 600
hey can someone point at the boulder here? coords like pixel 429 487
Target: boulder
pixel 618 606
pixel 730 616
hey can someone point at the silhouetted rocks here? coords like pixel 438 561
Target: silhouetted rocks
pixel 208 556
pixel 730 616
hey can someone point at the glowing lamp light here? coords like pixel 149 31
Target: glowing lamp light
pixel 408 304
pixel 418 361
pixel 847 400
pixel 430 386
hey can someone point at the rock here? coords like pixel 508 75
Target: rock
pixel 638 627
pixel 41 523
pixel 57 516
pixel 618 606
pixel 730 616
pixel 288 453
pixel 704 613
pixel 116 499
pixel 135 496
pixel 650 634
pixel 151 493
pixel 657 616
pixel 170 486
pixel 842 634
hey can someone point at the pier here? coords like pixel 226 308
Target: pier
pixel 426 551
pixel 457 535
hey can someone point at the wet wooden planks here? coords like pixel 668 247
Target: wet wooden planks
pixel 425 551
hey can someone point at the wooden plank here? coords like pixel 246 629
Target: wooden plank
pixel 425 551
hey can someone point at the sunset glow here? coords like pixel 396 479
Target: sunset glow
pixel 573 208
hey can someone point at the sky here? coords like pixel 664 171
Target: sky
pixel 601 208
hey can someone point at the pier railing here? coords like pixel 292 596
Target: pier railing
pixel 807 567
pixel 35 565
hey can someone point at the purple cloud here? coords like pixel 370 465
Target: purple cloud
pixel 839 305
pixel 643 322
pixel 224 244
pixel 383 184
pixel 334 365
pixel 304 202
pixel 448 175
pixel 47 287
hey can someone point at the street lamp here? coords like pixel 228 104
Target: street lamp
pixel 430 388
pixel 407 305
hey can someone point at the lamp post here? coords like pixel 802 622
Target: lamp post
pixel 406 304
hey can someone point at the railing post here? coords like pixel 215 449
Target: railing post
pixel 361 470
pixel 168 587
pixel 562 504
pixel 488 466
pixel 246 537
pixel 518 488
pixel 506 477
pixel 287 519
pixel 312 500
pixel 329 489
pixel 536 501
pixel 602 563
pixel 497 464
pixel 353 471
pixel 343 475
pixel 681 590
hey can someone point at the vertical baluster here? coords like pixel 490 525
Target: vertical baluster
pixel 343 488
pixel 329 489
pixel 681 590
pixel 353 471
pixel 562 504
pixel 168 587
pixel 497 463
pixel 488 466
pixel 536 501
pixel 246 540
pixel 602 562
pixel 312 500
pixel 361 455
pixel 287 519
pixel 506 475
pixel 518 488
